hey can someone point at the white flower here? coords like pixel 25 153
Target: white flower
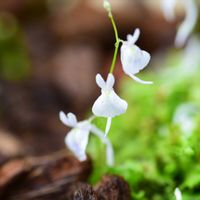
pixel 108 104
pixel 188 24
pixel 133 58
pixel 77 139
pixel 178 194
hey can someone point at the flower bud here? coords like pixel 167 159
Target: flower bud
pixel 106 5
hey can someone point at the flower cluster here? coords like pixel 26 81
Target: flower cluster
pixel 108 104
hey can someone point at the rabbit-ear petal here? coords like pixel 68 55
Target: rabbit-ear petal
pixel 133 39
pixel 72 118
pixel 100 82
pixel 69 120
pixel 110 81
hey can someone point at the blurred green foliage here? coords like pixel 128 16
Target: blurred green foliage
pixel 157 142
pixel 14 59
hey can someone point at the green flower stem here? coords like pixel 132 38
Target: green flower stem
pixel 112 67
pixel 114 25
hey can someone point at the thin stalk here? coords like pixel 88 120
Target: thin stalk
pixel 112 67
pixel 114 25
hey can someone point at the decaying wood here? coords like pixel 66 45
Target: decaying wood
pixel 58 176
pixel 41 178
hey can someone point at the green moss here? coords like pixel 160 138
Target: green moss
pixel 152 152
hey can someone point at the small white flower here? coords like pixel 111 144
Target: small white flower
pixel 133 58
pixel 186 28
pixel 178 194
pixel 188 24
pixel 108 104
pixel 77 139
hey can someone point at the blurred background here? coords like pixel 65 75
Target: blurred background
pixel 50 52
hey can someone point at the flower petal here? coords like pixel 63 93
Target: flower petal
pixel 69 120
pixel 100 82
pixel 110 81
pixel 188 24
pixel 168 8
pixel 133 38
pixel 109 105
pixel 139 80
pixel 77 140
pixel 146 58
pixel 109 149
pixel 72 118
pixel 133 58
pixel 108 125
